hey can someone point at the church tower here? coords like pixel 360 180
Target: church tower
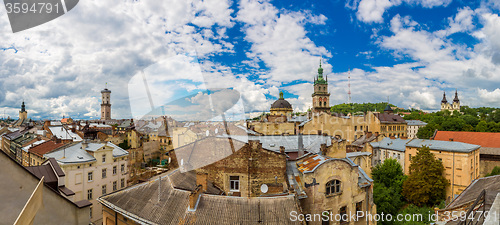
pixel 444 103
pixel 320 96
pixel 23 115
pixel 456 102
pixel 105 105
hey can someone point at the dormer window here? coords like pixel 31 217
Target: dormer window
pixel 333 187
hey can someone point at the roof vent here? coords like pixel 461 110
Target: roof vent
pixel 80 157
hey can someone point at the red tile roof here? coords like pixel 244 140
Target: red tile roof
pixel 45 147
pixel 484 139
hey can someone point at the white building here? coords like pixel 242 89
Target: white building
pixel 412 128
pixel 93 170
pixel 389 148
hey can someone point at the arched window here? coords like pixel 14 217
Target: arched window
pixel 333 187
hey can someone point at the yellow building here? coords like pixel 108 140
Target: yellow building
pixel 445 106
pixel 460 161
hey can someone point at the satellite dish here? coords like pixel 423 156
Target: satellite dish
pixel 264 188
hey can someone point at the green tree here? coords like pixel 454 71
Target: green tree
pixel 414 215
pixel 426 185
pixel 427 131
pixel 388 180
pixel 482 126
pixel 495 171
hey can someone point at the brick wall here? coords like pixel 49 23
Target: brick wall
pixel 254 165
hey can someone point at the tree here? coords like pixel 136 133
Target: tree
pixel 388 179
pixel 426 185
pixel 414 215
pixel 482 126
pixel 427 131
pixel 495 171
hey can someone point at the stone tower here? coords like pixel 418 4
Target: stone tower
pixel 444 103
pixel 23 115
pixel 106 104
pixel 320 96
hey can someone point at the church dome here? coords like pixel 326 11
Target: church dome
pixel 281 103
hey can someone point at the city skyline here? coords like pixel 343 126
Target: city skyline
pixel 409 50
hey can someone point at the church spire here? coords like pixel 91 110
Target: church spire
pixel 23 107
pixel 444 98
pixel 456 96
pixel 320 71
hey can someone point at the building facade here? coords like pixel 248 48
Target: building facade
pixel 460 161
pixel 413 126
pixel 92 170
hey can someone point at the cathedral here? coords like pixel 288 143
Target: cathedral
pixel 450 107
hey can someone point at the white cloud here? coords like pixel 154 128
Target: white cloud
pixel 372 11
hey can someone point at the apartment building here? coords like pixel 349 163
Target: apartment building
pixel 92 170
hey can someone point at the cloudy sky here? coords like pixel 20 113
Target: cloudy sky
pixel 408 50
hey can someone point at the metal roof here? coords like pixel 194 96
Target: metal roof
pixel 75 154
pixel 452 146
pixel 397 144
pixel 64 134
pixel 152 203
pixel 311 143
pixel 415 123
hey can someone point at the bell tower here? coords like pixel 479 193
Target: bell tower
pixel 320 96
pixel 23 115
pixel 105 104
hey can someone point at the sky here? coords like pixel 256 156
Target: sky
pixel 151 53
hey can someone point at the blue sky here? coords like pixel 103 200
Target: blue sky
pixel 408 50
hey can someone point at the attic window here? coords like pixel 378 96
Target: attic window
pixel 272 145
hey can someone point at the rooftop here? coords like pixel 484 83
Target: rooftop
pixel 415 123
pixel 390 118
pixel 451 146
pixel 44 148
pixel 311 143
pixel 397 144
pixel 152 203
pixel 490 140
pixel 75 154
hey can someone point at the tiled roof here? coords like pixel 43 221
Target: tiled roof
pixel 415 123
pixel 452 146
pixel 389 118
pixel 397 144
pixel 484 139
pixel 151 203
pixel 43 171
pixel 45 147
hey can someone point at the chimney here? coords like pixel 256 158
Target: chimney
pixel 323 149
pixel 451 139
pixel 84 144
pixel 282 150
pixel 368 134
pixel 193 198
pixel 201 179
pixel 301 145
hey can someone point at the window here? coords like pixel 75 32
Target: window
pixel 343 214
pixel 103 189
pixel 123 168
pixel 409 157
pixel 114 186
pixel 104 173
pixel 333 187
pixel 89 177
pixel 234 183
pixel 103 158
pixel 89 194
pixel 123 182
pixel 114 170
pixel 355 128
pixel 359 207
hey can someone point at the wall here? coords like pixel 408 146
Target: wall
pixel 253 164
pixel 273 128
pixel 458 168
pixel 109 217
pixel 16 192
pixel 317 200
pixel 76 178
